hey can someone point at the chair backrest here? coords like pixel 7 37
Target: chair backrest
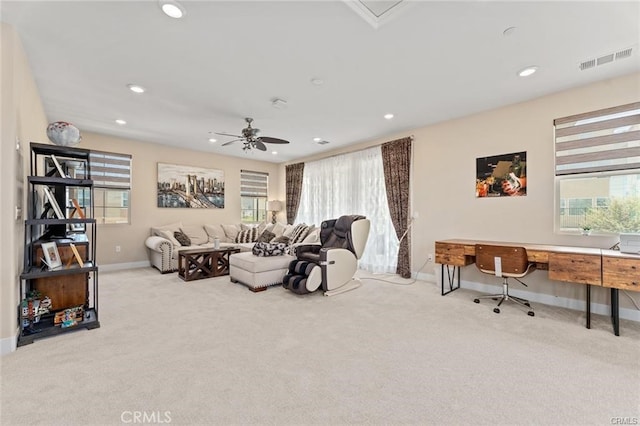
pixel 513 260
pixel 347 232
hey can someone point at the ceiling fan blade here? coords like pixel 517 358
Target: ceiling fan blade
pixel 267 139
pixel 230 142
pixel 227 134
pixel 258 144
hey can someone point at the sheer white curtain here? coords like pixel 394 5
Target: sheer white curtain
pixel 352 184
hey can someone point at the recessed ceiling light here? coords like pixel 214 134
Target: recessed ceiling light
pixel 317 81
pixel 317 139
pixel 388 116
pixel 528 71
pixel 135 88
pixel 121 122
pixel 212 140
pixel 274 152
pixel 172 9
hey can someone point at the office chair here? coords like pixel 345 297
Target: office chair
pixel 505 262
pixel 333 263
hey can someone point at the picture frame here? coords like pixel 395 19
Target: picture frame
pixel 190 187
pixel 53 203
pixel 51 255
pixel 503 175
pixel 58 166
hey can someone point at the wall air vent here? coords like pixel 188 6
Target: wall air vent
pixel 605 59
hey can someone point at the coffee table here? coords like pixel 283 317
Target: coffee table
pixel 201 263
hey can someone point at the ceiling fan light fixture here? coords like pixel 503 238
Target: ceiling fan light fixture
pixel 172 9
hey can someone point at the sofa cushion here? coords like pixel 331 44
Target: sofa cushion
pixel 299 233
pixel 231 231
pixel 169 236
pixel 182 238
pixel 247 235
pixel 196 234
pixel 216 231
pixel 265 237
pixel 254 264
pixel 166 231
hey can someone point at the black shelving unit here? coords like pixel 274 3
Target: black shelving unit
pixel 69 284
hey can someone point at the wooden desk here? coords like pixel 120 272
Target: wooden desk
pixel 579 265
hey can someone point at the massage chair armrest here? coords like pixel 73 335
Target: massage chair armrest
pixel 339 266
pixel 159 244
pixel 299 249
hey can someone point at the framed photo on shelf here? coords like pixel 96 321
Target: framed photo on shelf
pixel 53 203
pixel 51 255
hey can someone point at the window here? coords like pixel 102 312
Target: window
pixel 598 170
pixel 111 174
pixel 254 187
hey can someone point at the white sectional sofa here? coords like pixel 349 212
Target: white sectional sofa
pixel 163 247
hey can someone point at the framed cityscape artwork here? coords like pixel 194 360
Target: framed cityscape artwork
pixel 190 187
pixel 502 175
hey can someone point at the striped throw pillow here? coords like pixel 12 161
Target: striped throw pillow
pixel 247 235
pixel 299 233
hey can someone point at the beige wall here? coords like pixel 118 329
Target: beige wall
pixel 444 175
pixel 145 214
pixel 22 119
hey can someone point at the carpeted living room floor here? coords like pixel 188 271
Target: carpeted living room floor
pixel 212 352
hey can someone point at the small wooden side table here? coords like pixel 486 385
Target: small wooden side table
pixel 201 263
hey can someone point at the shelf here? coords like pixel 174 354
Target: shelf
pixel 51 180
pixel 57 221
pixel 45 327
pixel 42 271
pixel 47 149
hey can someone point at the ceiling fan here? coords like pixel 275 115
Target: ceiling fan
pixel 251 139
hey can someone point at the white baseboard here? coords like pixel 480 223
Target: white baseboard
pixel 121 266
pixel 8 344
pixel 546 299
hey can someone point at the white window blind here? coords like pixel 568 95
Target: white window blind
pixel 598 141
pixel 110 170
pixel 253 184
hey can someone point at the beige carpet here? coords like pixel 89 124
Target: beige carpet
pixel 212 352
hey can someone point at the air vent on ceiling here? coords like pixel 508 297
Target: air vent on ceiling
pixel 376 12
pixel 605 59
pixel 322 142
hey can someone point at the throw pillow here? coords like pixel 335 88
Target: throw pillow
pixel 288 230
pixel 299 233
pixel 247 235
pixel 169 236
pixel 278 229
pixel 265 237
pixel 182 238
pixel 216 231
pixel 312 237
pixel 196 234
pixel 269 249
pixel 231 231
pixel 281 239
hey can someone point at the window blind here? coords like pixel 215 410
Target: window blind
pixel 253 184
pixel 110 170
pixel 598 141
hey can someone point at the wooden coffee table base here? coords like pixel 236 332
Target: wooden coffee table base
pixel 196 264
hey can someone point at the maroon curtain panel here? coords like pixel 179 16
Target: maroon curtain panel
pixel 396 160
pixel 294 173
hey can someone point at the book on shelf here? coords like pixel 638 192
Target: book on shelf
pixel 58 166
pixel 77 209
pixel 53 203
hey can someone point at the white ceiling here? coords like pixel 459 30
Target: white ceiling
pixel 224 61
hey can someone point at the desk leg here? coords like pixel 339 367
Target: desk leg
pixel 452 272
pixel 588 306
pixel 615 311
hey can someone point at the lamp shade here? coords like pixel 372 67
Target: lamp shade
pixel 274 206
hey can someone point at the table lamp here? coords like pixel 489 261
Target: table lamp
pixel 274 206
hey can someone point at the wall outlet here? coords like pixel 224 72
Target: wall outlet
pixel 430 257
pixel 117 249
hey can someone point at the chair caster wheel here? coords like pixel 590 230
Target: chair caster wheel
pixel 476 300
pixel 531 313
pixel 496 310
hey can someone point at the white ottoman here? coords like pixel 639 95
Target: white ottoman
pixel 258 272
